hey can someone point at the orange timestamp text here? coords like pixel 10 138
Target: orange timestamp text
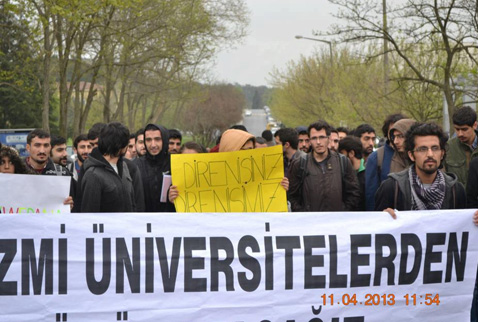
pixel 380 299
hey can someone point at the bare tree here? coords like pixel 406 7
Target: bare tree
pixel 443 27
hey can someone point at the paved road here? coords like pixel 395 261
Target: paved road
pixel 256 123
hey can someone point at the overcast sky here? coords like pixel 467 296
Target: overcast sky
pixel 271 39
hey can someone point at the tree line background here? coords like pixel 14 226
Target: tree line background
pixel 67 64
pixel 410 56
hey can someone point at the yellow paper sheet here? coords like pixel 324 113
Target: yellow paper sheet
pixel 242 181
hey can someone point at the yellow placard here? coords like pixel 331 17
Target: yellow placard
pixel 242 181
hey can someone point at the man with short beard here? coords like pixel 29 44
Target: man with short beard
pixel 464 146
pixel 139 143
pixel 366 134
pixel 154 166
pixel 58 151
pixel 82 148
pixel 422 186
pixel 175 138
pixel 39 147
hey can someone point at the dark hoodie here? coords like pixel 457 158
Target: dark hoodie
pixel 104 190
pixel 152 169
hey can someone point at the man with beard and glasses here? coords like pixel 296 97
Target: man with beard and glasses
pixel 423 185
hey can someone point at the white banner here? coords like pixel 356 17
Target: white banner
pixel 334 267
pixel 22 193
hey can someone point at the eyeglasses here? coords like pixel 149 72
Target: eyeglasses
pixel 424 149
pixel 321 138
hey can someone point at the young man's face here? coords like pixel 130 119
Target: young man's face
pixel 153 141
pixel 368 142
pixel 83 150
pixel 304 142
pixel 334 141
pixel 465 133
pixel 319 141
pixel 427 154
pixel 398 140
pixel 59 154
pixel 140 147
pixel 131 149
pixel 174 145
pixel 39 149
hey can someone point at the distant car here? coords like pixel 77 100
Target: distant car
pixel 270 119
pixel 248 113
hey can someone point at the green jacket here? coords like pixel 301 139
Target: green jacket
pixel 458 158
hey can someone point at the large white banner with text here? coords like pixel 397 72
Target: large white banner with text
pixel 337 267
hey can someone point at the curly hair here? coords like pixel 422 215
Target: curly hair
pixel 12 154
pixel 425 129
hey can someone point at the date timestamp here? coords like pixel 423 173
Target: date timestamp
pixel 381 299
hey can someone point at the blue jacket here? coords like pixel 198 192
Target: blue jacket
pixel 372 177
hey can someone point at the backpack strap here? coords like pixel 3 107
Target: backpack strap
pixel 395 199
pixel 303 173
pixel 303 168
pixel 343 165
pixel 380 155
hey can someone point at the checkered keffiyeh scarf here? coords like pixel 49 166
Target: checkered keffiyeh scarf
pixel 426 198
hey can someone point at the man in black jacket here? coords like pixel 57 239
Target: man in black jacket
pixel 106 185
pixel 154 166
pixel 423 185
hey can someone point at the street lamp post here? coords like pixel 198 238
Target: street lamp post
pixel 319 40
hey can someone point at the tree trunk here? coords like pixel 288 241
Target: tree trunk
pixel 48 44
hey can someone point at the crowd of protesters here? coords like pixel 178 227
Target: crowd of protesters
pixel 416 167
pixel 325 168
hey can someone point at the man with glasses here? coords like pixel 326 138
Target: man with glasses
pixel 422 186
pixel 322 180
